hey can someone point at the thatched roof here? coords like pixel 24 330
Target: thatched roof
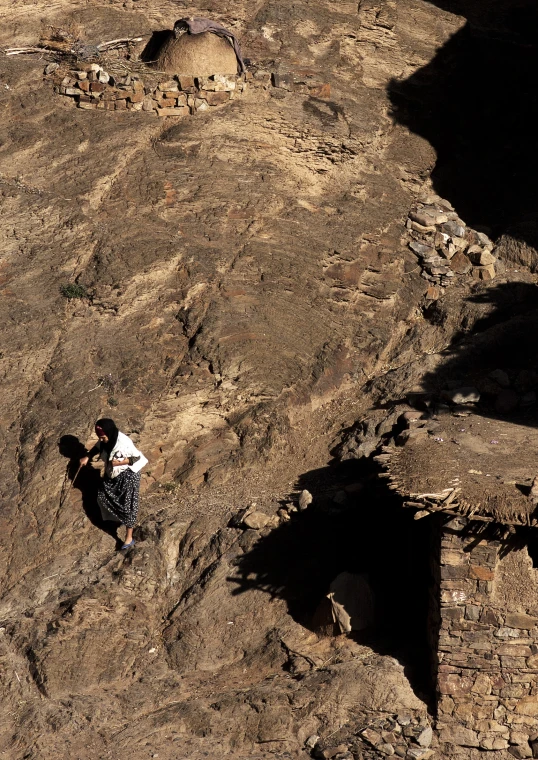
pixel 482 469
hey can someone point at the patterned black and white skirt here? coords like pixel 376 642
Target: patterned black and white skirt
pixel 118 498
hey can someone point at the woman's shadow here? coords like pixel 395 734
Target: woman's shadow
pixel 86 480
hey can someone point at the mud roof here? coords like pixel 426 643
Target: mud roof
pixel 478 468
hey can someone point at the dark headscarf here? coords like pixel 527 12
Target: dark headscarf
pixel 110 430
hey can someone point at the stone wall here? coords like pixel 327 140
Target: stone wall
pixel 92 87
pixel 488 653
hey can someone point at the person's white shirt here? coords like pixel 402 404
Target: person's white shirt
pixel 123 449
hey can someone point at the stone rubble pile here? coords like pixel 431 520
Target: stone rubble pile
pixel 253 519
pixel 446 247
pixel 399 736
pixel 92 87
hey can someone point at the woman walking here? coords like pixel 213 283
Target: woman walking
pixel 119 490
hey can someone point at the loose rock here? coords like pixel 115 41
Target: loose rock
pixel 467 395
pixel 372 737
pixel 305 499
pixel 421 249
pixel 416 753
pixel 386 749
pixel 425 737
pixel 255 520
pixel 463 737
pixel 428 217
pixel 520 751
pixel 453 229
pixel 460 264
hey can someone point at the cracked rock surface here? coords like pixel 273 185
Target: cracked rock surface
pixel 248 292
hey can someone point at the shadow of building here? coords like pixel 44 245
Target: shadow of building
pixel 368 535
pixel 497 353
pixel 475 103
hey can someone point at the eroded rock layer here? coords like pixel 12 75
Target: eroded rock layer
pixel 236 289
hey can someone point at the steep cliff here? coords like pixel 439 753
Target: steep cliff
pixel 247 292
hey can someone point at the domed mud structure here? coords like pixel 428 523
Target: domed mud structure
pixel 197 55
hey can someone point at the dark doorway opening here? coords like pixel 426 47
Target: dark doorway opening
pixel 154 45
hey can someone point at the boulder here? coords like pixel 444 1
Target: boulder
pixel 256 520
pixel 305 499
pixel 467 395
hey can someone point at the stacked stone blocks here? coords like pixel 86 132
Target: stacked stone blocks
pixel 487 678
pixel 93 88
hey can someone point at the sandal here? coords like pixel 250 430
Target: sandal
pixel 128 546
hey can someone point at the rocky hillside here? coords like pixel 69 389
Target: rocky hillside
pixel 241 289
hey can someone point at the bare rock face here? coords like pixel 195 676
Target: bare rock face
pixel 515 249
pixel 197 55
pixel 242 288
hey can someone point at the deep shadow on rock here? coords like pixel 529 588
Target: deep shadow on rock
pixel 86 480
pixel 474 102
pixel 504 338
pixel 493 351
pixel 369 534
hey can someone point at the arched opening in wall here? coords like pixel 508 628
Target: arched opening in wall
pixel 358 527
pixel 154 45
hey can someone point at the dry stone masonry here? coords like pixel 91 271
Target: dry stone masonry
pixel 488 657
pixel 472 477
pixel 446 247
pixel 93 88
pixel 483 602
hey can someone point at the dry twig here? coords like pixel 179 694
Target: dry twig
pixel 70 49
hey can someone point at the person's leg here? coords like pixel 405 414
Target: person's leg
pixel 132 503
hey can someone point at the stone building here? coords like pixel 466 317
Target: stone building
pixel 472 478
